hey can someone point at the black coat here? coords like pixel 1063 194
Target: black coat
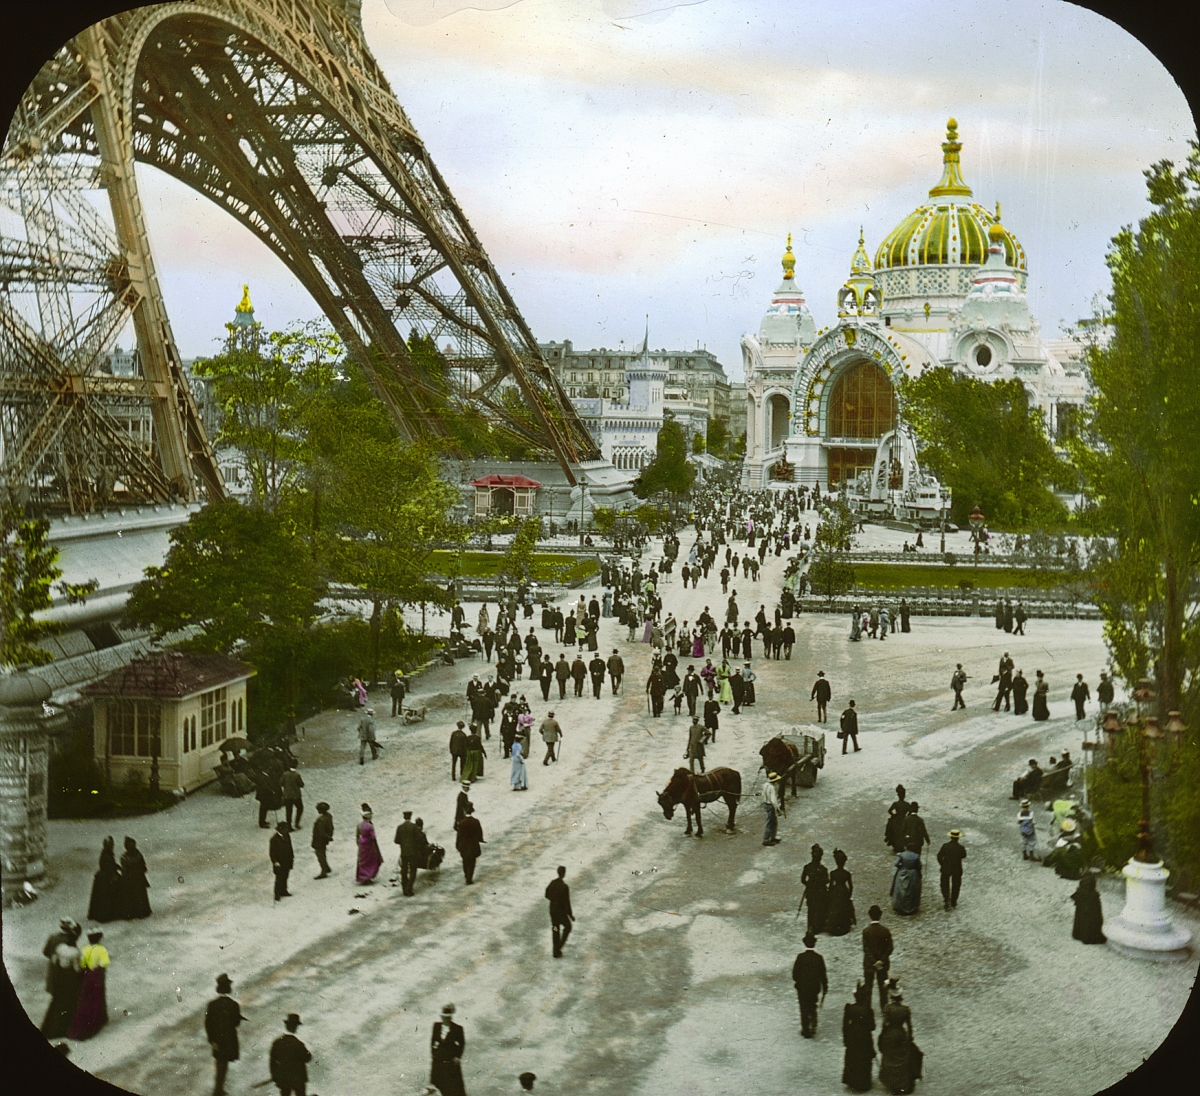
pixel 559 896
pixel 808 972
pixel 951 856
pixel 221 1020
pixel 289 1062
pixel 281 851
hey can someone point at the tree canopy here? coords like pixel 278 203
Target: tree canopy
pixel 670 471
pixel 1138 455
pixel 988 446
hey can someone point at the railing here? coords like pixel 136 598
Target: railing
pixel 929 601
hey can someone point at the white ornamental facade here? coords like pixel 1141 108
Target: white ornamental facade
pixel 946 288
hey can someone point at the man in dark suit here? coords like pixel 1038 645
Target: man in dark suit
pixel 596 669
pixel 789 640
pixel 282 859
pixel 562 674
pixel 289 1060
pixel 808 973
pixel 412 847
pixel 1004 687
pixel 849 727
pixel 1080 695
pixel 821 692
pixel 470 837
pixel 446 1046
pixel 616 670
pixel 579 674
pixel 950 859
pixel 691 689
pixel 322 835
pixel 221 1020
pixel 561 915
pixel 877 953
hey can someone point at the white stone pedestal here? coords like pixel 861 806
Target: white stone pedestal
pixel 1143 929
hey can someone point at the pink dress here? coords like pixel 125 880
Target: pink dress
pixel 370 859
pixel 697 646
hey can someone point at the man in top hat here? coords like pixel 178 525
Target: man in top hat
pixel 821 692
pixel 446 1046
pixel 412 848
pixel 1080 694
pixel 808 974
pixel 282 858
pixel 221 1020
pixel 950 859
pixel 289 1060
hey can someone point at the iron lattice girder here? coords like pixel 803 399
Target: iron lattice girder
pixel 312 92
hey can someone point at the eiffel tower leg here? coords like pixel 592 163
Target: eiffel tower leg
pixel 182 445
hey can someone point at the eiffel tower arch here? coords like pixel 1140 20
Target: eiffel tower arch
pixel 277 111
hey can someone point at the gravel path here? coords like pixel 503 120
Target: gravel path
pixel 677 978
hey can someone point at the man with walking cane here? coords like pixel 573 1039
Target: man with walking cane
pixel 616 670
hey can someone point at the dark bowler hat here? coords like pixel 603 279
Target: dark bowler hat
pixel 224 983
pixel 810 941
pixel 292 1022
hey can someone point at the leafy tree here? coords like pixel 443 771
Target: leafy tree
pixel 264 387
pixel 603 518
pixel 739 447
pixel 718 436
pixel 517 564
pixel 670 471
pixel 237 572
pixel 1138 454
pixel 987 446
pixel 829 573
pixel 28 572
pixel 698 443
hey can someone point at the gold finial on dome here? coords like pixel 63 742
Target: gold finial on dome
pixel 861 263
pixel 996 232
pixel 789 261
pixel 952 181
pixel 245 305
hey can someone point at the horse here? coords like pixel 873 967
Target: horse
pixel 691 790
pixel 782 757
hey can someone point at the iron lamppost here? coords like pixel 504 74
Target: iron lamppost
pixel 1144 929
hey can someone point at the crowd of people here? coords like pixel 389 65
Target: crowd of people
pixel 704 666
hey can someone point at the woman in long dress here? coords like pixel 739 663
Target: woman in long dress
pixel 519 779
pixel 858 1021
pixel 135 903
pixel 725 693
pixel 749 677
pixel 697 644
pixel 63 980
pixel 484 622
pixel 91 1011
pixel 899 1058
pixel 475 753
pixel 105 904
pixel 815 881
pixel 841 916
pixel 1089 917
pixel 370 859
pixel 906 883
pixel 1041 709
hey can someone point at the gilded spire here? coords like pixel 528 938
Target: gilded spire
pixel 789 261
pixel 861 263
pixel 245 305
pixel 952 180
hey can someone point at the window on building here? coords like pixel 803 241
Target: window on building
pixel 134 728
pixel 863 403
pixel 574 376
pixel 591 376
pixel 213 717
pixel 571 392
pixel 606 393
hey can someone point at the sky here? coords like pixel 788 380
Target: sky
pixel 627 158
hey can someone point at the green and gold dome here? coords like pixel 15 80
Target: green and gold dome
pixel 951 230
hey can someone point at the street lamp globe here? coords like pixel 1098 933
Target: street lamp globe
pixel 1176 728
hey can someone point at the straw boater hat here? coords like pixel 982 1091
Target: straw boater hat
pixel 1024 802
pixel 1067 825
pixel 956 833
pixel 773 776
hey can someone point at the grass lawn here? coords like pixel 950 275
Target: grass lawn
pixel 895 576
pixel 547 566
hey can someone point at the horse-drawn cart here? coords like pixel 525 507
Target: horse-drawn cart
pixel 796 753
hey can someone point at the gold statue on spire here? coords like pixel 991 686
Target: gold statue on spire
pixel 952 181
pixel 789 261
pixel 245 305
